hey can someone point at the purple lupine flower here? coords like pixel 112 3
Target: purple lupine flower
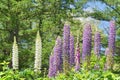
pixel 52 71
pixel 87 38
pixel 71 50
pixel 58 54
pixel 97 44
pixel 66 44
pixel 109 59
pixel 97 48
pixel 77 58
pixel 111 37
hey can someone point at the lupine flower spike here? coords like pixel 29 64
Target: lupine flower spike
pixel 66 44
pixel 97 48
pixel 15 60
pixel 111 37
pixel 38 53
pixel 86 48
pixel 97 44
pixel 77 55
pixel 109 59
pixel 58 54
pixel 52 71
pixel 72 50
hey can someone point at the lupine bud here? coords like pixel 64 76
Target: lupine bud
pixel 97 44
pixel 52 71
pixel 58 54
pixel 111 37
pixel 66 44
pixel 72 50
pixel 15 62
pixel 86 48
pixel 38 52
pixel 109 59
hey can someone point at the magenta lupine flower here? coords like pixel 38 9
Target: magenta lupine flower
pixel 66 44
pixel 97 44
pixel 87 38
pixel 111 37
pixel 77 58
pixel 58 54
pixel 52 71
pixel 72 50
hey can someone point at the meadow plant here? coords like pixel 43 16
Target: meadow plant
pixel 66 48
pixel 97 44
pixel 58 55
pixel 72 50
pixel 52 71
pixel 109 59
pixel 86 46
pixel 111 36
pixel 38 52
pixel 15 60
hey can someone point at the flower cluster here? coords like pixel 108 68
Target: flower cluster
pixel 64 57
pixel 77 58
pixel 15 62
pixel 111 37
pixel 66 48
pixel 38 52
pixel 97 44
pixel 71 50
pixel 52 71
pixel 58 54
pixel 109 59
pixel 87 38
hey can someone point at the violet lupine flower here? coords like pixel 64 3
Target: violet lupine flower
pixel 52 71
pixel 87 38
pixel 71 50
pixel 109 59
pixel 58 54
pixel 77 58
pixel 111 37
pixel 66 44
pixel 97 44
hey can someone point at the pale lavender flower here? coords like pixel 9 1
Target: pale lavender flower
pixel 97 44
pixel 87 38
pixel 111 37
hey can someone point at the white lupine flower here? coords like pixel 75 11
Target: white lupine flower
pixel 38 52
pixel 15 63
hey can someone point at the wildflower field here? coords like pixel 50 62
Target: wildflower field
pixel 59 40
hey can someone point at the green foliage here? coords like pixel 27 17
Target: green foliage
pixel 82 74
